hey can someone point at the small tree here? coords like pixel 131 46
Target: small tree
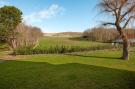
pixel 10 17
pixel 123 12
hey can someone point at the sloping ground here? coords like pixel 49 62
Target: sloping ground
pixel 64 34
pixel 69 34
pixel 85 70
pixel 46 42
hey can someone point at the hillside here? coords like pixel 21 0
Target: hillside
pixel 64 34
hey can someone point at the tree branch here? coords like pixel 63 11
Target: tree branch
pixel 128 20
pixel 108 23
pixel 123 2
pixel 128 11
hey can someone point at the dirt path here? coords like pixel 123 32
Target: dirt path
pixel 5 55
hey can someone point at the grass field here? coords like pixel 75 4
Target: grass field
pixel 81 70
pixel 60 45
pixel 60 41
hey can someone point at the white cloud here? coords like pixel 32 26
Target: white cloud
pixel 43 14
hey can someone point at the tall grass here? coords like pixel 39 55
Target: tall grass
pixel 57 45
pixel 58 49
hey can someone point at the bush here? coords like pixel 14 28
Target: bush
pixel 23 50
pixel 58 49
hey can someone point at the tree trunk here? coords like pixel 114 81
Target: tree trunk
pixel 13 43
pixel 125 55
pixel 125 50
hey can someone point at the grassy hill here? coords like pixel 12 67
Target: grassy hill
pixel 64 34
pixel 46 42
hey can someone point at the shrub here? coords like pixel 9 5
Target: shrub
pixel 27 50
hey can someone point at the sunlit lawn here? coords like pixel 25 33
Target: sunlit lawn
pixel 85 70
pixel 64 41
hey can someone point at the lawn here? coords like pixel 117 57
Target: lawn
pixel 100 69
pixel 85 70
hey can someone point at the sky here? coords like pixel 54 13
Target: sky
pixel 58 15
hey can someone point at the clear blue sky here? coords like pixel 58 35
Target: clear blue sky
pixel 58 15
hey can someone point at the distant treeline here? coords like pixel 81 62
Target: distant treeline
pixel 106 34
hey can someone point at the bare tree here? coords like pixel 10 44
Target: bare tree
pixel 101 34
pixel 27 35
pixel 123 12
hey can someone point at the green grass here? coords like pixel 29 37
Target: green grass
pixel 85 70
pixel 80 70
pixel 58 45
pixel 61 41
pixel 3 47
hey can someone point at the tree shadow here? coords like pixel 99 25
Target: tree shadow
pixel 101 57
pixel 42 75
pixel 78 39
pixel 1 60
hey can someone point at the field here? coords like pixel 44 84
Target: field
pixel 60 41
pixel 101 69
pixel 60 45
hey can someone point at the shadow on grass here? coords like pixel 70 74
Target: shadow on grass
pixel 1 61
pixel 100 57
pixel 78 39
pixel 42 75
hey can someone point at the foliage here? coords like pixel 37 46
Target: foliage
pixel 58 49
pixel 56 45
pixel 10 17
